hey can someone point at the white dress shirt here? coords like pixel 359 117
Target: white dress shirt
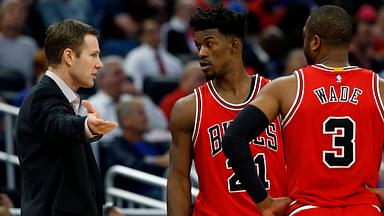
pixel 72 98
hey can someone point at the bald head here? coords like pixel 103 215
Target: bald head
pixel 332 24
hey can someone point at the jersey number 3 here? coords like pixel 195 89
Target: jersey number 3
pixel 343 131
pixel 234 184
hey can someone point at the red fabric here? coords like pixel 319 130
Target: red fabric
pixel 220 191
pixel 266 17
pixel 332 155
pixel 358 210
pixel 169 100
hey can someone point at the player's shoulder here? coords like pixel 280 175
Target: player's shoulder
pixel 282 82
pixel 183 112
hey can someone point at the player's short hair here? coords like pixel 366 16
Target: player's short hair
pixel 332 24
pixel 228 22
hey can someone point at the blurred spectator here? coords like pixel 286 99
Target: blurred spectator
pixel 109 83
pixel 367 13
pixel 149 59
pixel 132 150
pixel 361 47
pixel 268 12
pixel 56 10
pixel 254 55
pixel 176 33
pixel 378 35
pixel 295 60
pixel 272 41
pixel 17 51
pixel 34 26
pixel 113 87
pixel 191 78
pixel 118 28
pixel 40 65
pixel 123 17
pixel 292 25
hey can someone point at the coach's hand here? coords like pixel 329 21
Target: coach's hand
pixel 96 124
pixel 274 206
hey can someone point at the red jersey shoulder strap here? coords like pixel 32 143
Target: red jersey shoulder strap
pixel 299 97
pixel 198 112
pixel 376 94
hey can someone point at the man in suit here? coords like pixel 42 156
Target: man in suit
pixel 59 174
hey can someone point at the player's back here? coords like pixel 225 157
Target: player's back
pixel 333 136
pixel 221 193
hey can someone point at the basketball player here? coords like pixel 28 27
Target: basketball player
pixel 333 125
pixel 198 123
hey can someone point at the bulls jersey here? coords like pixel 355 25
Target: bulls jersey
pixel 333 136
pixel 221 193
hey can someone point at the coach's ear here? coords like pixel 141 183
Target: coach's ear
pixel 68 56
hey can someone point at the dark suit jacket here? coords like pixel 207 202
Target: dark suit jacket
pixel 58 170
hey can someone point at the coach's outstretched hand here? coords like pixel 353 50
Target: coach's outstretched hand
pixel 95 123
pixel 274 206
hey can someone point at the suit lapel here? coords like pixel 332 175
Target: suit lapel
pixel 47 81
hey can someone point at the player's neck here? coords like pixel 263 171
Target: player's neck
pixel 334 58
pixel 233 88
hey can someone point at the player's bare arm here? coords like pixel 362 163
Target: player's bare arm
pixel 379 191
pixel 277 96
pixel 273 98
pixel 179 184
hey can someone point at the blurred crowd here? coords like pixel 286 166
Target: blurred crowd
pixel 150 62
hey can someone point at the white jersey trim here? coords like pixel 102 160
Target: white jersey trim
pixel 332 69
pixel 198 113
pixel 232 106
pixel 376 94
pixel 296 103
pixel 302 208
pixel 377 207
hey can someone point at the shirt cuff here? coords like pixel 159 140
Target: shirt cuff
pixel 88 133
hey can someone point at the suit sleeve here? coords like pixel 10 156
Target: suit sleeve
pixel 55 119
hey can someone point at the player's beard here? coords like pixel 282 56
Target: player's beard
pixel 209 76
pixel 309 59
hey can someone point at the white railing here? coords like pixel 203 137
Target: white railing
pixel 152 206
pixel 9 113
pixel 113 192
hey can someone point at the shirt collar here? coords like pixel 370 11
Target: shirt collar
pixel 68 92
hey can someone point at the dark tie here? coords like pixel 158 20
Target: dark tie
pixel 75 104
pixel 160 63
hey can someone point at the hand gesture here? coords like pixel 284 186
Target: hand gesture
pixel 274 206
pixel 96 124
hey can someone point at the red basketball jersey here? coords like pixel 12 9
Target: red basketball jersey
pixel 333 136
pixel 221 193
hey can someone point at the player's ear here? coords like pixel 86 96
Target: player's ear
pixel 235 44
pixel 315 43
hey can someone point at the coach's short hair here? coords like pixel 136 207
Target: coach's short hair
pixel 64 34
